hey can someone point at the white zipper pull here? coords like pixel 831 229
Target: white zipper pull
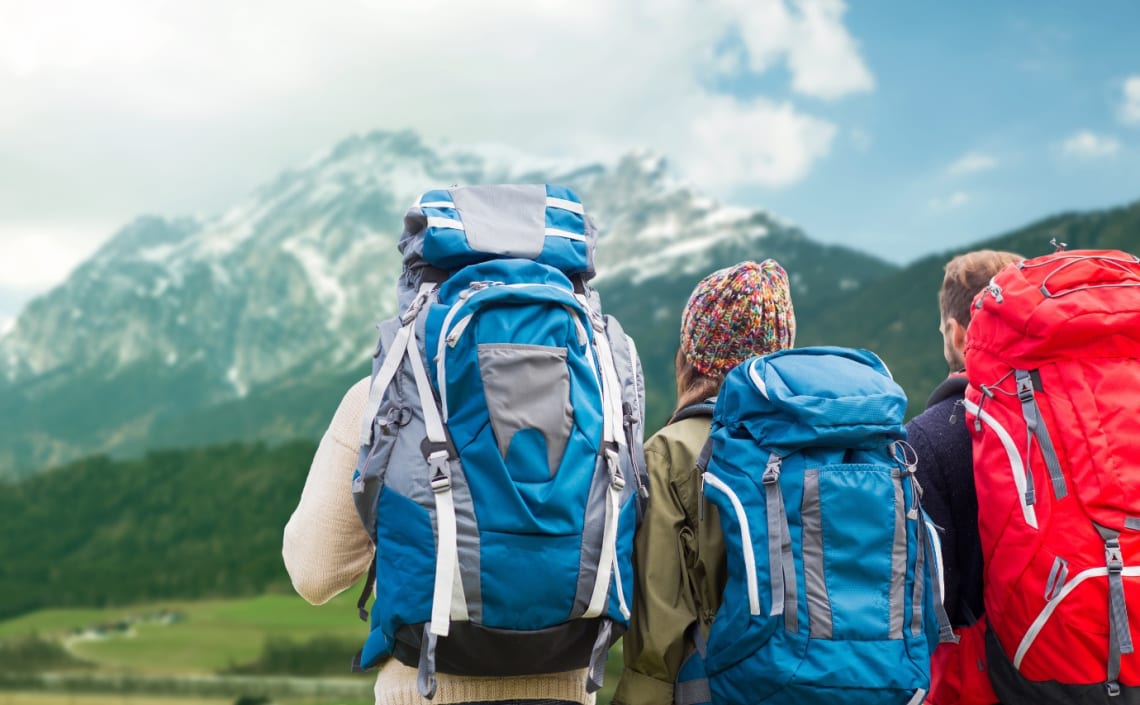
pixel 993 290
pixel 460 326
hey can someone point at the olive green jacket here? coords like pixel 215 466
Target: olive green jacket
pixel 679 570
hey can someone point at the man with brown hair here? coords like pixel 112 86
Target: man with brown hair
pixel 946 473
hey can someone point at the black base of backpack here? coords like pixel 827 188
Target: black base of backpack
pixel 474 650
pixel 1013 689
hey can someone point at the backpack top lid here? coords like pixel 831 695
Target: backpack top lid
pixel 814 397
pixel 1067 304
pixel 452 228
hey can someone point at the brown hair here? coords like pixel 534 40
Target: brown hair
pixel 693 386
pixel 966 275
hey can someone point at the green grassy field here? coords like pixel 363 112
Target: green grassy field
pixel 17 698
pixel 209 635
pixel 24 698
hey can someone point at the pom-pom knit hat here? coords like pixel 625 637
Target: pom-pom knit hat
pixel 736 313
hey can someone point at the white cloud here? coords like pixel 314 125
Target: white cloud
pixel 762 143
pixel 822 56
pixel 185 106
pixel 1130 108
pixel 34 255
pixel 970 163
pixel 1089 145
pixel 954 200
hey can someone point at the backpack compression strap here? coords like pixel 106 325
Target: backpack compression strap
pixel 1035 427
pixel 392 360
pixel 613 436
pixel 928 550
pixel 376 390
pixel 438 452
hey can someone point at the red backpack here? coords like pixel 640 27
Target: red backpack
pixel 1053 358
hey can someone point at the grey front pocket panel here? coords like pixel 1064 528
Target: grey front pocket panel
pixel 527 388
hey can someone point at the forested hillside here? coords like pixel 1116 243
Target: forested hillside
pixel 897 315
pixel 187 524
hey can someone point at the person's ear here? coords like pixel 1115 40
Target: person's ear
pixel 958 336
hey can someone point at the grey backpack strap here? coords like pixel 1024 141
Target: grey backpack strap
pixel 392 359
pixel 596 673
pixel 425 677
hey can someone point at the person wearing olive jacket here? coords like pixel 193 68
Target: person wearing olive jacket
pixel 733 314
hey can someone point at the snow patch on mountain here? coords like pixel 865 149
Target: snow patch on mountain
pixel 322 275
pixel 216 285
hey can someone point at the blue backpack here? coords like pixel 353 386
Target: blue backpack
pixel 829 596
pixel 501 455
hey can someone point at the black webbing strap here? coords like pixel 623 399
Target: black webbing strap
pixel 366 592
pixel 700 409
pixel 433 274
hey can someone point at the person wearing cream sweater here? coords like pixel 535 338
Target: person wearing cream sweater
pixel 327 550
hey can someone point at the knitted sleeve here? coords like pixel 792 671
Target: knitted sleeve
pixel 325 547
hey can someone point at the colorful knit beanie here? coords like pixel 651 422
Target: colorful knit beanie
pixel 736 313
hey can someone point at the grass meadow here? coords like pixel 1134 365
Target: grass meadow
pixel 195 639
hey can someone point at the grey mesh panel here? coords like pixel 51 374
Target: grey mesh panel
pixel 541 401
pixel 507 220
pixel 898 562
pixel 593 529
pixel 818 602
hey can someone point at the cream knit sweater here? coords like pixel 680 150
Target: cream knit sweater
pixel 326 551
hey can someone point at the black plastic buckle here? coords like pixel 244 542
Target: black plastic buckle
pixel 429 448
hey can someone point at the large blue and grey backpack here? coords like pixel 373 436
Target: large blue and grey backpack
pixel 501 460
pixel 829 596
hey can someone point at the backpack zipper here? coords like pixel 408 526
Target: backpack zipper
pixel 449 336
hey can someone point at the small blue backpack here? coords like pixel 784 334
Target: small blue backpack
pixel 500 456
pixel 829 595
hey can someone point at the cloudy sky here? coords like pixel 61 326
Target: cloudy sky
pixel 898 127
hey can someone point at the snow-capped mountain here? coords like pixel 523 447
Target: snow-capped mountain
pixel 174 319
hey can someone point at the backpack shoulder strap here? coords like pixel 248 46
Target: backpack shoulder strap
pixel 701 408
